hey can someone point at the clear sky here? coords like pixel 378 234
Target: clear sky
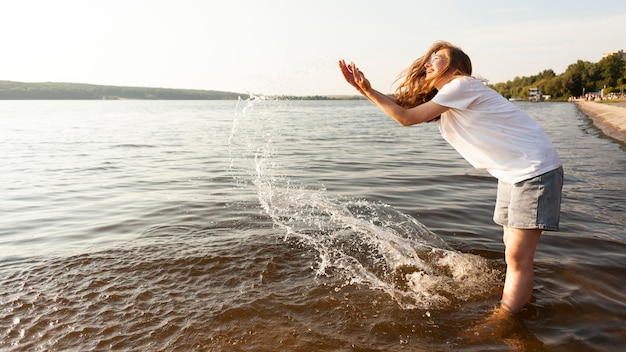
pixel 291 46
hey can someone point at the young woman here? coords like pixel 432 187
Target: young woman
pixel 491 134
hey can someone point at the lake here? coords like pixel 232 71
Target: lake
pixel 274 225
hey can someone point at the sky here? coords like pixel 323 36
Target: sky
pixel 291 47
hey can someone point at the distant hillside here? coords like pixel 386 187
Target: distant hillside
pixel 77 91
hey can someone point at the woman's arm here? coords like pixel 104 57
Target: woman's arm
pixel 405 117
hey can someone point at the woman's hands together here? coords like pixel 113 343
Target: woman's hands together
pixel 355 77
pixel 404 116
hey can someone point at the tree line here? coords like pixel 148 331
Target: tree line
pixel 580 78
pixel 10 90
pixel 76 91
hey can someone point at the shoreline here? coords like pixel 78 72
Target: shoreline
pixel 609 118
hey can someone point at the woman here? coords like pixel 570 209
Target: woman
pixel 492 134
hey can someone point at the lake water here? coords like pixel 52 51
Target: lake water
pixel 264 225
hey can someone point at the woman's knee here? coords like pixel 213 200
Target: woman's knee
pixel 520 246
pixel 517 257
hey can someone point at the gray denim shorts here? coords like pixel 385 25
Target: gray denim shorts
pixel 530 204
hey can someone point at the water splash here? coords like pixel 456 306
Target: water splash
pixel 363 242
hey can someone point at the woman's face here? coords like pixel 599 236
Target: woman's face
pixel 436 64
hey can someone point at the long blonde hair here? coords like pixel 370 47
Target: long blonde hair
pixel 415 89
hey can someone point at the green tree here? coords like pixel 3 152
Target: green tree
pixel 573 79
pixel 611 70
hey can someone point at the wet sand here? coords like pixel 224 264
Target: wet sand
pixel 608 117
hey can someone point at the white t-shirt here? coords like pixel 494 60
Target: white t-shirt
pixel 492 133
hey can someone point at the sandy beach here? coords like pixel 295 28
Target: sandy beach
pixel 608 117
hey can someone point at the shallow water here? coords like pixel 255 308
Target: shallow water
pixel 265 225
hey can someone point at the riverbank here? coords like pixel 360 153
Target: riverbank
pixel 608 117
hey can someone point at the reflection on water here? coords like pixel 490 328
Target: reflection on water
pixel 280 225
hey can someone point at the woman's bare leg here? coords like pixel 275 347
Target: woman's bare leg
pixel 520 246
pixel 518 284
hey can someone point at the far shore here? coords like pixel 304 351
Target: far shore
pixel 610 118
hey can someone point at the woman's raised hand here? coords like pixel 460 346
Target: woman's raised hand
pixel 354 76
